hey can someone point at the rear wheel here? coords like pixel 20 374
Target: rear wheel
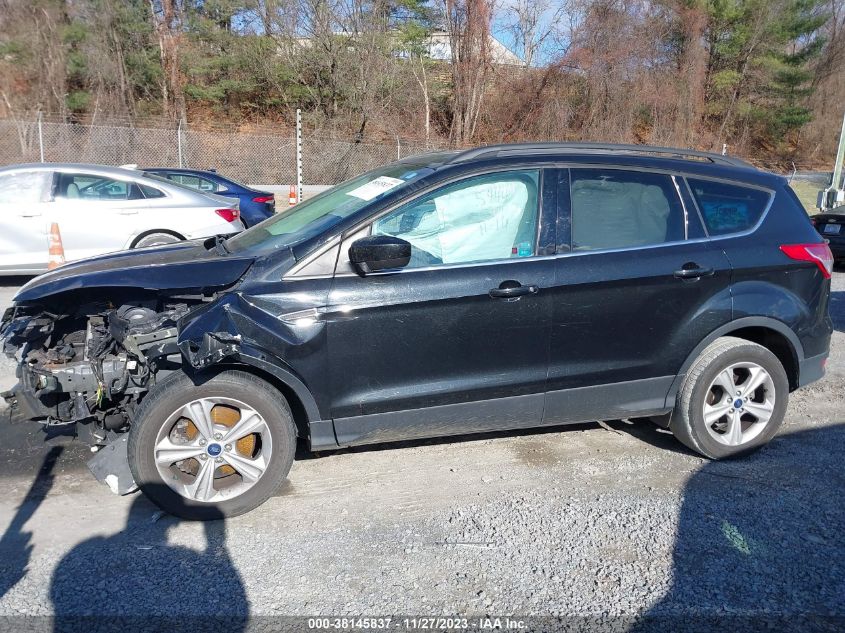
pixel 156 239
pixel 213 447
pixel 733 399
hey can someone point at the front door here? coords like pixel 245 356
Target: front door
pixel 23 228
pixel 637 288
pixel 457 341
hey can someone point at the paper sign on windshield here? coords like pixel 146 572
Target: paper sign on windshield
pixel 375 187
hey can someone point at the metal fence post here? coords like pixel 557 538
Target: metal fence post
pixel 40 138
pixel 298 155
pixel 179 143
pixel 398 149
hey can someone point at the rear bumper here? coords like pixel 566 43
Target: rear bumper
pixel 811 369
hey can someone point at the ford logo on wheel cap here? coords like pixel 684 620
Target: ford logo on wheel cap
pixel 214 450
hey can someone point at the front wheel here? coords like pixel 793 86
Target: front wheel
pixel 733 399
pixel 211 446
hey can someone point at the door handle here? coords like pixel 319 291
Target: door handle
pixel 691 270
pixel 129 212
pixel 512 289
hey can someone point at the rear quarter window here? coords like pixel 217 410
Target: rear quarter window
pixel 727 208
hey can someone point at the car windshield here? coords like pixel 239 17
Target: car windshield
pixel 322 212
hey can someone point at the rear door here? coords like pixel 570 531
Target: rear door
pixel 96 214
pixel 637 287
pixel 457 341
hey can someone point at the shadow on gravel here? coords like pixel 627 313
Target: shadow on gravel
pixel 15 545
pixel 759 543
pixel 134 580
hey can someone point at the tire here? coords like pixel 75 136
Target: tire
pixel 730 361
pixel 157 239
pixel 161 427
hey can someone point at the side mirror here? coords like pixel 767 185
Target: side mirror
pixel 379 252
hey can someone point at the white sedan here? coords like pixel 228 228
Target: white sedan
pixel 99 209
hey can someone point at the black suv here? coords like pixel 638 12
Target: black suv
pixel 497 288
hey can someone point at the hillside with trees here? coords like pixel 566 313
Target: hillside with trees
pixel 765 77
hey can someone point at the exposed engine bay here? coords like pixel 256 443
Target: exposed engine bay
pixel 91 364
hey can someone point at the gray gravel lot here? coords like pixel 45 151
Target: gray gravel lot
pixel 590 527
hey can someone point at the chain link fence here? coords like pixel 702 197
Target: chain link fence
pixel 247 157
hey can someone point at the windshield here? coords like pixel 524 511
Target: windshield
pixel 322 212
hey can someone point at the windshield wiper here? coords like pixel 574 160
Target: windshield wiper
pixel 220 245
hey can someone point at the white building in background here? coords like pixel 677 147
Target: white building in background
pixel 440 49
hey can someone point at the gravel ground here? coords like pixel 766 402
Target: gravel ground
pixel 580 527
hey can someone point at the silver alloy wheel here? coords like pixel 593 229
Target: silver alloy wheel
pixel 156 239
pixel 205 459
pixel 739 403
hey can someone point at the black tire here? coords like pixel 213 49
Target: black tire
pixel 687 421
pixel 176 391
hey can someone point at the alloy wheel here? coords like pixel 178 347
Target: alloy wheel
pixel 739 403
pixel 212 449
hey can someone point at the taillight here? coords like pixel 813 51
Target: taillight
pixel 265 199
pixel 230 215
pixel 819 254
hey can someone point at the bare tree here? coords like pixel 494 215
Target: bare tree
pixel 468 25
pixel 168 21
pixel 533 24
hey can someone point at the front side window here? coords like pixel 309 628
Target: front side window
pixel 482 218
pixel 24 187
pixel 728 208
pixel 94 188
pixel 613 208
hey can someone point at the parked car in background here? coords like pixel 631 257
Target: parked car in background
pixel 831 226
pixel 255 205
pixel 99 209
pixel 499 288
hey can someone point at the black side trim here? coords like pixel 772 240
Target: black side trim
pixel 450 419
pixel 633 398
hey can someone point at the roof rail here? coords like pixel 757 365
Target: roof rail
pixel 571 148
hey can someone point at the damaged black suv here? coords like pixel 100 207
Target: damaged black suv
pixel 457 292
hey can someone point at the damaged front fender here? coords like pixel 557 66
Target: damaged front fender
pixel 242 330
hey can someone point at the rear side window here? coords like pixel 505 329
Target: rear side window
pixel 151 192
pixel 194 182
pixel 614 208
pixel 728 208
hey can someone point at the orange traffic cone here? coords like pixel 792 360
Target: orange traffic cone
pixel 56 252
pixel 292 195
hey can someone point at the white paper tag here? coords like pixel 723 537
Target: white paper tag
pixel 375 187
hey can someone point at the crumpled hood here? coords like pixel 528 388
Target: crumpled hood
pixel 181 266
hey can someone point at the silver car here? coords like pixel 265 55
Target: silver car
pixel 98 210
